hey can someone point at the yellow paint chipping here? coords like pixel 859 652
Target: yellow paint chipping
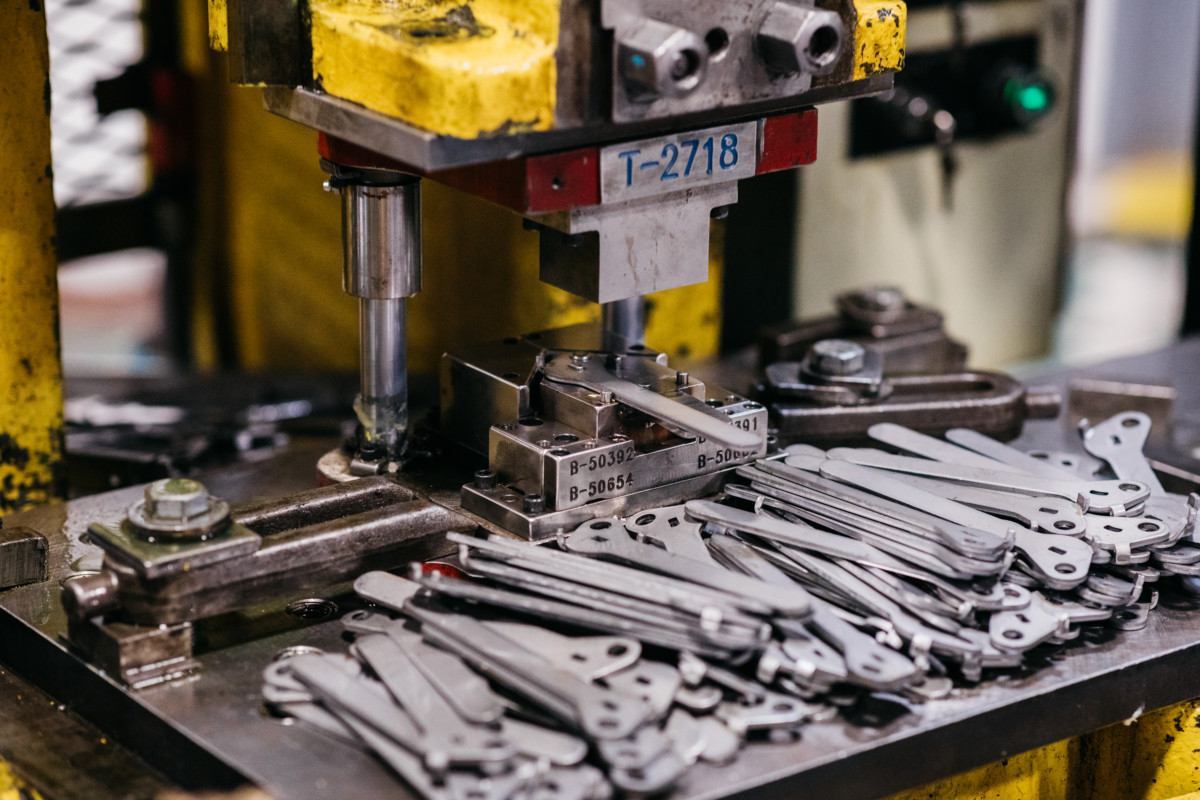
pixel 879 36
pixel 218 25
pixel 464 68
pixel 13 788
pixel 1148 756
pixel 30 372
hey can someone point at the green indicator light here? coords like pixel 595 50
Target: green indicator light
pixel 1034 98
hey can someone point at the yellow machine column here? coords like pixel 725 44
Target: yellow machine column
pixel 31 424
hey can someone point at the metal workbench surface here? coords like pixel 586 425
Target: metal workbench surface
pixel 212 730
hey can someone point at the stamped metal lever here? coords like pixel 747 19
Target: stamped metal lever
pixel 1116 497
pixel 1061 560
pixel 690 420
pixel 672 528
pixel 609 538
pixel 599 713
pixel 866 660
pixel 1007 457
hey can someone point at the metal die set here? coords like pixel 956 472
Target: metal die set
pixel 580 427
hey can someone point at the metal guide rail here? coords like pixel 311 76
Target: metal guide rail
pixel 752 617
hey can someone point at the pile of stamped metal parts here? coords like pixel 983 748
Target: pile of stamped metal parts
pixel 616 655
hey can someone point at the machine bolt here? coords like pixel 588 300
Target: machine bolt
pixel 836 357
pixel 660 60
pixel 794 38
pixel 533 504
pixel 578 361
pixel 882 298
pixel 175 500
pixel 485 479
pixel 178 510
pixel 682 379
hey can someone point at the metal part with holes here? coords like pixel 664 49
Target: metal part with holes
pixel 1048 514
pixel 662 631
pixel 1115 497
pixel 1025 629
pixel 864 659
pixel 906 625
pixel 789 476
pixel 449 738
pixel 925 554
pixel 661 598
pixel 589 657
pixel 1005 456
pixel 612 542
pixel 602 714
pixel 1119 441
pixel 663 67
pixel 1061 561
pixel 798 535
pixel 671 528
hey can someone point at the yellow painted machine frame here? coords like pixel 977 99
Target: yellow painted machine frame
pixel 31 424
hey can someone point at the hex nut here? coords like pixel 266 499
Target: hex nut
pixel 837 357
pixel 794 38
pixel 176 499
pixel 659 60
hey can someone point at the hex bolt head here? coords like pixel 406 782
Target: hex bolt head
pixel 176 500
pixel 882 298
pixel 836 357
pixel 794 38
pixel 533 504
pixel 660 60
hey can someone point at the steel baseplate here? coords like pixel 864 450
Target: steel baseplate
pixel 504 506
